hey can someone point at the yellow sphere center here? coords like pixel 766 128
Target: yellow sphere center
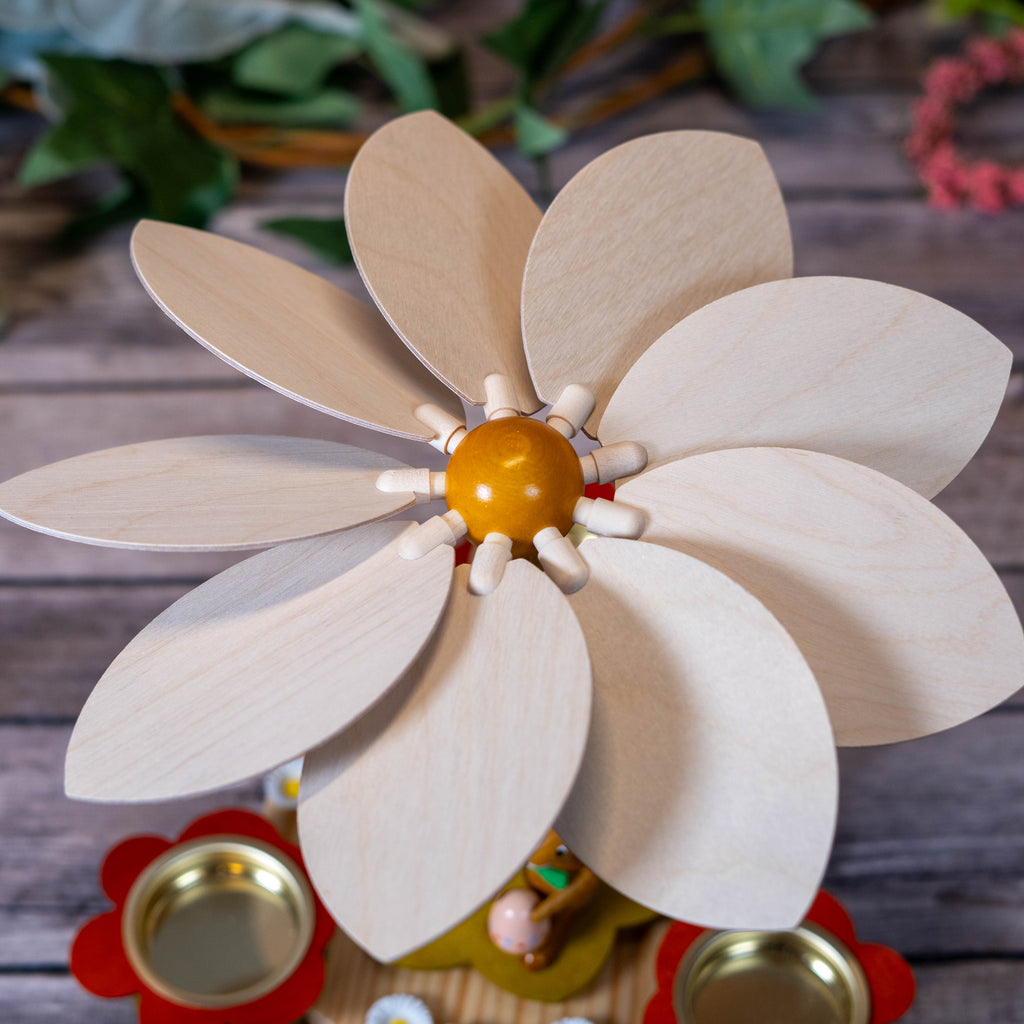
pixel 514 476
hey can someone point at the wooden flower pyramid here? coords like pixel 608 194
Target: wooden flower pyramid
pixel 670 703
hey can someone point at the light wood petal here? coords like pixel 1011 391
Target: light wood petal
pixel 708 790
pixel 638 239
pixel 867 371
pixel 419 812
pixel 440 232
pixel 286 327
pixel 256 666
pixel 904 622
pixel 204 493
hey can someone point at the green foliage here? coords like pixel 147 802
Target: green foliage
pixel 326 107
pixel 123 202
pixel 288 63
pixel 451 85
pixel 759 46
pixel 536 136
pixel 543 36
pixel 121 113
pixel 997 15
pixel 294 61
pixel 403 71
pixel 327 238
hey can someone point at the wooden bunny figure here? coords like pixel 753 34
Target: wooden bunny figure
pixel 565 885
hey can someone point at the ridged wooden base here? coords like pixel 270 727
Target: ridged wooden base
pixel 461 996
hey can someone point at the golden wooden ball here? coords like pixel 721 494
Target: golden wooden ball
pixel 514 476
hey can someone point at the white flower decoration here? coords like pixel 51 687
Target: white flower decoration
pixel 672 705
pixel 399 1009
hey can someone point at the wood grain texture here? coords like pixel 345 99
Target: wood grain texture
pixel 440 232
pixel 638 239
pixel 983 991
pixel 859 369
pixel 708 790
pixel 461 996
pixel 423 809
pixel 51 427
pixel 906 626
pixel 286 327
pixel 927 854
pixel 257 666
pixel 204 493
pixel 929 849
pixel 56 640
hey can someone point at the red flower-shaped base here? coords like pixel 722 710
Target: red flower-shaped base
pixel 889 976
pixel 99 961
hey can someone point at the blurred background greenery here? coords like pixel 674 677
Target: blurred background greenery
pixel 175 94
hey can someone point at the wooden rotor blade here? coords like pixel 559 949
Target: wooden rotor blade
pixel 204 493
pixel 904 622
pixel 867 371
pixel 287 328
pixel 638 239
pixel 256 666
pixel 440 232
pixel 708 789
pixel 420 811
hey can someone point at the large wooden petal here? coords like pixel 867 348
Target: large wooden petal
pixel 904 622
pixel 256 666
pixel 418 813
pixel 286 327
pixel 708 790
pixel 867 371
pixel 204 493
pixel 440 232
pixel 642 236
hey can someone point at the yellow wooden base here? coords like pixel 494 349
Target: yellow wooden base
pixel 462 996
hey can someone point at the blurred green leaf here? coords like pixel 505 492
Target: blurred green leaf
pixel 404 72
pixel 329 107
pixel 123 202
pixel 536 136
pixel 451 84
pixel 166 32
pixel 294 61
pixel 327 238
pixel 121 113
pixel 997 15
pixel 544 35
pixel 64 150
pixel 760 45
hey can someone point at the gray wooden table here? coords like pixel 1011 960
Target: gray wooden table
pixel 929 855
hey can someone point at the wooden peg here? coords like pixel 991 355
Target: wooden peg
pixel 502 401
pixel 488 564
pixel 609 518
pixel 613 462
pixel 561 560
pixel 448 430
pixel 422 482
pixel 447 529
pixel 572 410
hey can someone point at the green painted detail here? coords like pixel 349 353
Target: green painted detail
pixel 555 877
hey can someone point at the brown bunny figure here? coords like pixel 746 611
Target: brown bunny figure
pixel 565 885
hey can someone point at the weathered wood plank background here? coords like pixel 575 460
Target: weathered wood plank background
pixel 930 850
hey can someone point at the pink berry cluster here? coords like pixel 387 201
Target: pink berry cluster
pixel 951 179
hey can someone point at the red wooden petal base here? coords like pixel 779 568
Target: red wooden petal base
pixel 99 961
pixel 889 976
